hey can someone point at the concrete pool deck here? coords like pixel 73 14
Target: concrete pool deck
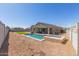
pixel 29 47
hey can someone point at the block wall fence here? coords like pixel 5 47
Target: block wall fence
pixel 73 33
pixel 3 33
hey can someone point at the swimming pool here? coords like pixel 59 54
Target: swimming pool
pixel 36 36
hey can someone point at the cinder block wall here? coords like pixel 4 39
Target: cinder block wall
pixel 3 33
pixel 73 33
pixel 6 31
pixel 2 29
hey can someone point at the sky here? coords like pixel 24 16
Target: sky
pixel 27 14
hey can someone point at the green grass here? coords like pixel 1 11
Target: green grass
pixel 23 32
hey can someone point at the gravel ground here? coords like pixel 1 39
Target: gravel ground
pixel 20 45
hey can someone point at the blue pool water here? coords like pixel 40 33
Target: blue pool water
pixel 36 36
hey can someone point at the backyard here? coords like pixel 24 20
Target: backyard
pixel 21 45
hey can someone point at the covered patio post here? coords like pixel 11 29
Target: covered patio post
pixel 48 30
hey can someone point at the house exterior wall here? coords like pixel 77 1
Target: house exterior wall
pixel 54 29
pixel 3 33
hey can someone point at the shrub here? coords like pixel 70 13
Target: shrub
pixel 65 41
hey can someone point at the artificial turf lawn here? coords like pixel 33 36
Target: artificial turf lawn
pixel 23 32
